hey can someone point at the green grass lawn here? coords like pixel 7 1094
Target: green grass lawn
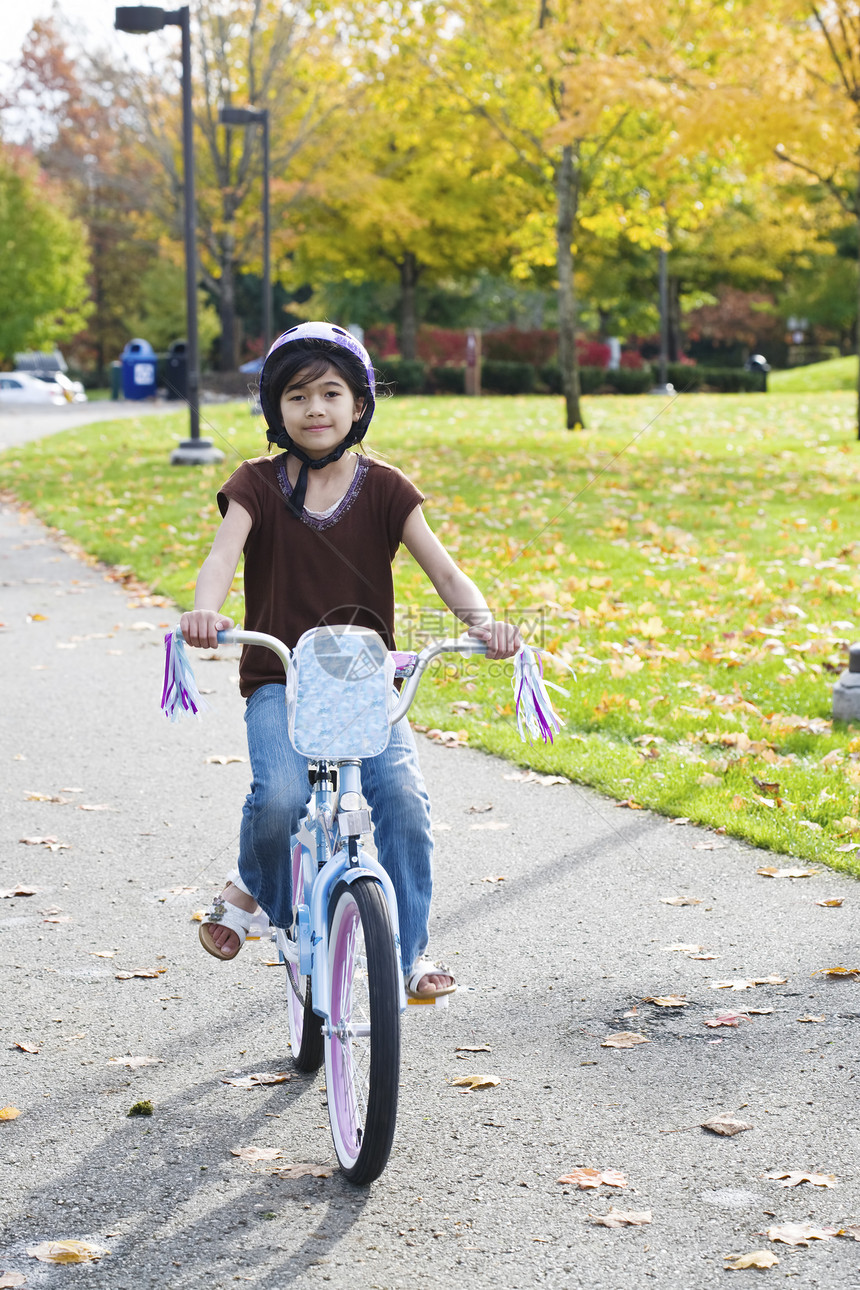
pixel 816 378
pixel 693 565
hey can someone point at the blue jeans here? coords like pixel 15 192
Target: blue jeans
pixel 395 792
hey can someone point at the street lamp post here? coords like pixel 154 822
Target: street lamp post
pixel 142 19
pixel 246 117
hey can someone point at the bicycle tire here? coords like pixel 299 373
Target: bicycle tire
pixel 362 1053
pixel 306 1037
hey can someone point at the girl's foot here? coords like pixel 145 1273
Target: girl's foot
pixel 428 979
pixel 220 940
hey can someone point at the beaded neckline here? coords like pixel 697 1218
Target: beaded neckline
pixel 326 521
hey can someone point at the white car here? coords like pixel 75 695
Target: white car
pixel 40 387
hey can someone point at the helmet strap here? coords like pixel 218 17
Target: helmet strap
pixel 296 501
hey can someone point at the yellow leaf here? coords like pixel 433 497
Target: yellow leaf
pixel 830 904
pixel 800 1233
pixel 585 1178
pixel 66 1252
pixel 9 1113
pixel 756 1259
pixel 623 1218
pixel 475 1082
pixel 624 1039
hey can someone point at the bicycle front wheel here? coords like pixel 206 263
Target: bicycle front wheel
pixel 306 1039
pixel 362 1053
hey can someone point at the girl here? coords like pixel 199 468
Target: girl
pixel 319 528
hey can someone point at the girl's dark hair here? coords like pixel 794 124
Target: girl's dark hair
pixel 311 358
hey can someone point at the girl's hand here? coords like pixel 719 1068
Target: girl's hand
pixel 200 627
pixel 503 639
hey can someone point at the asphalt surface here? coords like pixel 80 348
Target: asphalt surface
pixel 550 906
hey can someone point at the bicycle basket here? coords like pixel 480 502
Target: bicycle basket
pixel 339 688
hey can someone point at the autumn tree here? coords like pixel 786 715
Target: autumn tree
pixel 294 60
pixel 809 60
pixel 71 110
pixel 43 286
pixel 417 193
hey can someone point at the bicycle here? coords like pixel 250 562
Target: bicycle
pixel 345 992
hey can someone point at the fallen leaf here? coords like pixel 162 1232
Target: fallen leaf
pixel 303 1171
pixel 476 1048
pixel 50 842
pixel 836 972
pixel 800 1233
pixel 133 1062
pixel 260 1078
pixel 8 1280
pixel 480 810
pixel 140 972
pixel 623 1218
pixel 726 1019
pixel 795 1179
pixel 532 777
pixel 46 797
pixel 624 1039
pixel 498 878
pixel 667 1000
pixel 257 1153
pixel 66 1252
pixel 830 904
pixel 680 900
pixel 475 1082
pixel 585 1178
pixel 220 760
pixel 853 1232
pixel 103 954
pixel 198 915
pixel 811 1018
pixel 726 1125
pixel 742 983
pixel 756 1259
pixel 9 1113
pixel 8 892
pixel 680 820
pixel 770 872
pixel 98 807
pixel 27 1048
pixel 631 804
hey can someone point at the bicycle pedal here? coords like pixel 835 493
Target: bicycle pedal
pixel 438 1001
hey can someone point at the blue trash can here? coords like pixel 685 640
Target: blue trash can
pixel 138 370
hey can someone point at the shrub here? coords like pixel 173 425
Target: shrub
pixel 550 376
pixel 510 345
pixel 405 376
pixel 590 378
pixel 688 379
pixel 631 358
pixel 449 380
pixel 629 380
pixel 592 353
pixel 508 378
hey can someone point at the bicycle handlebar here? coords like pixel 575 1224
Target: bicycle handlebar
pixel 458 645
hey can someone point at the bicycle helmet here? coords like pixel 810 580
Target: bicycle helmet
pixel 309 335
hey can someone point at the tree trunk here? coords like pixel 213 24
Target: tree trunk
pixel 409 275
pixel 676 337
pixel 857 326
pixel 228 350
pixel 567 196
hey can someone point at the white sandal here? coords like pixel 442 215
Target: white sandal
pixel 426 967
pixel 222 913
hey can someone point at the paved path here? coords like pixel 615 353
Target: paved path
pixel 21 424
pixel 553 959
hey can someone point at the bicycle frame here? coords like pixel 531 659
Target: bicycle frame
pixel 331 842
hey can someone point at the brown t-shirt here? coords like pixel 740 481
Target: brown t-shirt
pixel 303 573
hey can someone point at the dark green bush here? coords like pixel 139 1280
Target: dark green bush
pixel 590 378
pixel 449 380
pixel 725 380
pixel 507 378
pixel 549 375
pixel 629 380
pixel 404 375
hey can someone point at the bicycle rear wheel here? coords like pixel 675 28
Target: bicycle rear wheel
pixel 306 1039
pixel 362 1054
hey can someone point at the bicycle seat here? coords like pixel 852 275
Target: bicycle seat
pixel 339 690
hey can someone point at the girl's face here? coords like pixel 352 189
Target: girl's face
pixel 320 414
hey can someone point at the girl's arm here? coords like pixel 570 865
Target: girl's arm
pixel 457 590
pixel 200 627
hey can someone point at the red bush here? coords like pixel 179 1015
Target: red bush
pixel 630 358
